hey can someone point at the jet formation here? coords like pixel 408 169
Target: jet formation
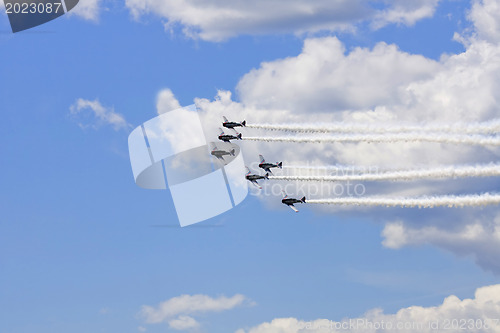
pixel 251 177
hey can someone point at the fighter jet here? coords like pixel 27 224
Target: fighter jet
pixel 219 153
pixel 232 124
pixel 267 166
pixel 253 177
pixel 290 201
pixel 228 137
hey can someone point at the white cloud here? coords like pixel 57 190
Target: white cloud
pixel 183 323
pixel 177 311
pixel 485 15
pixel 405 12
pixel 479 238
pixel 93 114
pixel 479 314
pixel 324 78
pixel 216 20
pixel 87 9
pixel 166 101
pixel 141 329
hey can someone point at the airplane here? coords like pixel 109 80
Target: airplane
pixel 290 201
pixel 219 153
pixel 228 137
pixel 267 166
pixel 232 124
pixel 253 177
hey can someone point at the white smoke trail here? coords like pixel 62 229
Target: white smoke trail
pixel 489 127
pixel 474 200
pixel 389 138
pixel 412 174
pixel 337 167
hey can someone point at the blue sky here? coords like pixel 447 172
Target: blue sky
pixel 82 248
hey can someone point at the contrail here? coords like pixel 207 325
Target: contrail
pixel 474 200
pixel 412 174
pixel 388 138
pixel 488 127
pixel 340 167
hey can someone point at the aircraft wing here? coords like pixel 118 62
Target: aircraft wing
pixel 293 208
pixel 256 184
pixel 268 170
pixel 262 160
pixel 225 119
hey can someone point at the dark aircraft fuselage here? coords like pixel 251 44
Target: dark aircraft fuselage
pixel 255 177
pixel 291 201
pixel 267 165
pixel 227 137
pixel 231 124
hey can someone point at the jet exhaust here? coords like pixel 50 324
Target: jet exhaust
pixel 488 170
pixel 474 200
pixel 480 140
pixel 488 127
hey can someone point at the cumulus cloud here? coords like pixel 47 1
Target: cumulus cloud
pixel 93 114
pixel 485 14
pixel 324 78
pixel 479 314
pixel 87 9
pixel 178 311
pixel 217 20
pixel 479 238
pixel 166 101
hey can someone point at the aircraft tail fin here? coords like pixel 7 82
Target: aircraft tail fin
pixel 303 199
pixel 232 152
pixel 244 123
pixel 239 136
pixel 280 165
